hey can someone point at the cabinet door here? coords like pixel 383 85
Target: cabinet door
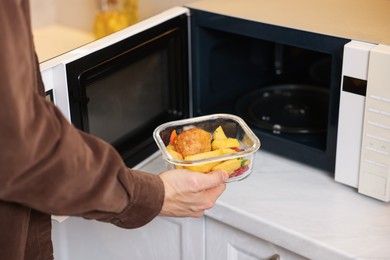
pixel 224 242
pixel 161 239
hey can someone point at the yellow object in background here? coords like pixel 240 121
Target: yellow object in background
pixel 115 15
pixel 132 11
pixel 109 22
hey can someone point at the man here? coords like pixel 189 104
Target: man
pixel 49 167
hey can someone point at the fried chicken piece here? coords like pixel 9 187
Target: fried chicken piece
pixel 193 141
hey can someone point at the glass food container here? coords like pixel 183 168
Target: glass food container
pixel 237 163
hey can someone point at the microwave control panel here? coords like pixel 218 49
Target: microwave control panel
pixel 374 176
pixel 351 112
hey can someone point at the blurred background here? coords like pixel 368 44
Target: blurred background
pixel 62 25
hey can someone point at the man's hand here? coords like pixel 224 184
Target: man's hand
pixel 189 194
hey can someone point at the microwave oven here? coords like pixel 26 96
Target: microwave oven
pixel 284 82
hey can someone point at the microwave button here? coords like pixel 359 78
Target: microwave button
pixel 382 150
pixel 379 112
pixel 379 138
pixel 377 147
pixel 379 168
pixel 374 184
pixel 377 144
pixel 383 126
pixel 380 98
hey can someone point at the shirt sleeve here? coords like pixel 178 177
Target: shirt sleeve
pixel 45 162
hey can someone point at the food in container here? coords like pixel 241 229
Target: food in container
pixel 207 143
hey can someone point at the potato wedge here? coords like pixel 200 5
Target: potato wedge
pixel 176 155
pixel 219 134
pixel 204 155
pixel 202 167
pixel 224 143
pixel 206 167
pixel 228 151
pixel 170 147
pixel 231 165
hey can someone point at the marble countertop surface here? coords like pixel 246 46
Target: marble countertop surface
pixel 302 209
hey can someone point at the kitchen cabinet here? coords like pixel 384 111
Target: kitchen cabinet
pixel 163 238
pixel 226 242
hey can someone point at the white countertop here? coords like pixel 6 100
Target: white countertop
pixel 304 210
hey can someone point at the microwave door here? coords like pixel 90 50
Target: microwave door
pixel 122 86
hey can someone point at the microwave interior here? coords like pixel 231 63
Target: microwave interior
pixel 283 82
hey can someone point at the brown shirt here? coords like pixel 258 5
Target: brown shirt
pixel 49 167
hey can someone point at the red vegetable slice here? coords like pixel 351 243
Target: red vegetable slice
pixel 237 149
pixel 172 138
pixel 239 171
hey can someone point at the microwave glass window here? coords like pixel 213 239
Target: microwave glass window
pixel 124 90
pixel 124 100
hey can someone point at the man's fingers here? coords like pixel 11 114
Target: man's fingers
pixel 211 180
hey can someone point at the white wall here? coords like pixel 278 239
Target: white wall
pixel 149 8
pixel 78 14
pixel 43 12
